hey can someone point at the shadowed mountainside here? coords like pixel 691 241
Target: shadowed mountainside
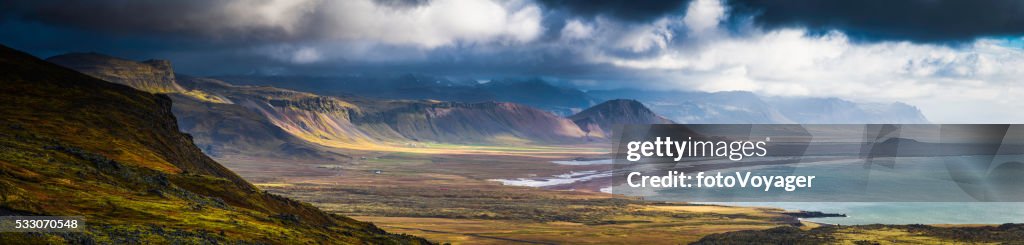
pixel 541 94
pixel 229 119
pixel 219 126
pixel 497 122
pixel 534 92
pixel 679 106
pixel 601 119
pixel 154 76
pixel 228 129
pixel 359 123
pixel 74 145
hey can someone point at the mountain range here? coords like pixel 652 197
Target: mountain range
pixel 380 113
pixel 265 121
pixel 535 92
pixel 75 145
pixel 679 106
pixel 734 107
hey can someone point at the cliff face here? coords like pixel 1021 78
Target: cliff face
pixel 223 130
pixel 73 145
pixel 494 122
pixel 154 76
pixel 306 117
pixel 230 119
pixel 535 92
pixel 599 120
pixel 366 123
pixel 219 126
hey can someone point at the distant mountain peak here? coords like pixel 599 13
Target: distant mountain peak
pixel 599 120
pixel 747 107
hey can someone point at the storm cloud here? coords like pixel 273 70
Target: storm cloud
pixel 872 20
pixel 631 10
pixel 440 22
pixel 191 18
pixel 951 58
pixel 428 24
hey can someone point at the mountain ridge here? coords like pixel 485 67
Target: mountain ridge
pixel 680 106
pixel 534 92
pixel 349 123
pixel 219 126
pixel 156 76
pixel 746 107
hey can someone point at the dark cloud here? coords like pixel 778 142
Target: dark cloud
pixel 210 37
pixel 630 10
pixel 186 18
pixel 402 3
pixel 932 21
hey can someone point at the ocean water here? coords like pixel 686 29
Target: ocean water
pixel 860 213
pixel 585 162
pixel 930 180
pixel 924 175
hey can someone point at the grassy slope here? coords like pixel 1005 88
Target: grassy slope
pixel 876 234
pixel 74 145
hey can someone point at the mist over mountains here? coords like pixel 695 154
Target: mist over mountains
pixel 833 110
pixel 747 107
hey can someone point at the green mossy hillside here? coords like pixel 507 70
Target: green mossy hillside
pixel 73 145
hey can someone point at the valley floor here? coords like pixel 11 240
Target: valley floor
pixel 453 198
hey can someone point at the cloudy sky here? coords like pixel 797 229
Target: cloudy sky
pixel 959 61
